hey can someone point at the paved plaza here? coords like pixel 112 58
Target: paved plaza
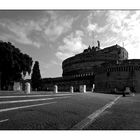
pixel 65 111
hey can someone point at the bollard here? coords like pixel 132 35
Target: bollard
pixel 83 88
pixel 17 86
pixel 71 89
pixel 93 87
pixel 55 89
pixel 27 88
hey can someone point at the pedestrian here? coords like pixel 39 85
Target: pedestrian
pixel 123 93
pixel 133 91
pixel 126 90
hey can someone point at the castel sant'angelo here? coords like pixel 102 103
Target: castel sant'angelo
pixel 105 69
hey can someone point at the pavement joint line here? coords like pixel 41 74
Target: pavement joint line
pixel 31 100
pixel 35 95
pixel 5 120
pixel 21 107
pixel 89 119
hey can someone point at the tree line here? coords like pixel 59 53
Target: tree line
pixel 14 65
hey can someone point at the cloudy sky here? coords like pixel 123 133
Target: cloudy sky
pixel 52 36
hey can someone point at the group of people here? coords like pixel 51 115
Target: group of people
pixel 126 91
pixel 129 91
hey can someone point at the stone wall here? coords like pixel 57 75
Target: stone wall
pixel 108 81
pixel 137 81
pixel 64 84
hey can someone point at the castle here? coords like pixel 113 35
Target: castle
pixel 107 69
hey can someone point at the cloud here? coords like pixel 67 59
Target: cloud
pixel 57 27
pixel 117 20
pixel 47 68
pixel 20 30
pixel 47 27
pixel 94 28
pixel 95 25
pixel 126 25
pixel 63 55
pixel 72 44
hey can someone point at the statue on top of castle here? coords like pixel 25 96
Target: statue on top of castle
pixel 93 48
pixel 96 48
pixel 98 42
pixel 88 49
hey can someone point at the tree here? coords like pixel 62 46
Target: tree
pixel 36 77
pixel 13 64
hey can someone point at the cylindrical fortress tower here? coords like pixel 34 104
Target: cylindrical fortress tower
pixel 83 64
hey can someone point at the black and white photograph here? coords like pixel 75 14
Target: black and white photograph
pixel 70 69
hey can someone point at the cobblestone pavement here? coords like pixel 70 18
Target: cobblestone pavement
pixel 47 111
pixel 124 115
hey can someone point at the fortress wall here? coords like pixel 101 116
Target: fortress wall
pixel 108 81
pixel 82 65
pixel 137 81
pixel 65 84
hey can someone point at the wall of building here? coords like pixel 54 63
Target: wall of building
pixel 108 81
pixel 64 84
pixel 137 81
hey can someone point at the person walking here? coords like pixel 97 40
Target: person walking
pixel 133 91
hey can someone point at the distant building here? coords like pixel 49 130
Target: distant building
pixel 107 68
